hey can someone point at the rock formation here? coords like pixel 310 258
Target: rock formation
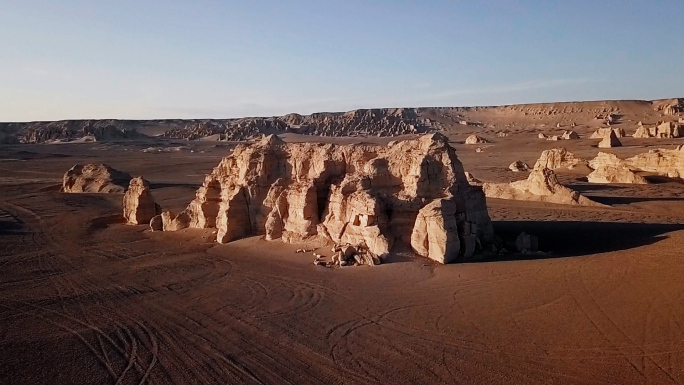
pixel 615 174
pixel 605 132
pixel 553 138
pixel 518 166
pixel 610 141
pixel 474 139
pixel 541 186
pixel 94 178
pixel 367 196
pixel 668 163
pixel 556 158
pixel 661 130
pixel 138 203
pixel 526 243
pixel 541 135
pixel 605 159
pixel 472 180
pixel 567 135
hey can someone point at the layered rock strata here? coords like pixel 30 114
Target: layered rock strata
pixel 414 192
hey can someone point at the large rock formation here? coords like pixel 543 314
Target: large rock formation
pixel 610 141
pixel 412 191
pixel 94 178
pixel 557 158
pixel 139 206
pixel 541 186
pixel 606 131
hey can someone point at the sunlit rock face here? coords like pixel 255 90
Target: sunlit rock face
pixel 414 192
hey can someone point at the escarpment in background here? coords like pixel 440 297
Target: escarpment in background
pixel 364 122
pixel 414 192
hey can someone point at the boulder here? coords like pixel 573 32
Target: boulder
pixel 606 131
pixel 138 203
pixel 557 158
pixel 553 138
pixel 343 193
pixel 610 141
pixel 541 186
pixel 541 135
pixel 474 139
pixel 94 178
pixel 567 135
pixel 518 166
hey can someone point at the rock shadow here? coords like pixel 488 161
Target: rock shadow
pixel 571 239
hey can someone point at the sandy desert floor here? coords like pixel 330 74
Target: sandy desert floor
pixel 85 299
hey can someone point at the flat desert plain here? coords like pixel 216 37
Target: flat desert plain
pixel 86 299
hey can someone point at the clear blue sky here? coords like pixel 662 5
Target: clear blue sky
pixel 218 59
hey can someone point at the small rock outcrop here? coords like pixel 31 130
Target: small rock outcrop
pixel 366 196
pixel 474 139
pixel 541 186
pixel 568 135
pixel 610 141
pixel 541 135
pixel 94 178
pixel 139 206
pixel 518 166
pixel 605 132
pixel 556 158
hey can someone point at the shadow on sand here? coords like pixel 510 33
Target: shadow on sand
pixel 569 239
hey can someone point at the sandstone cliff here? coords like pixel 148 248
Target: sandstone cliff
pixel 414 192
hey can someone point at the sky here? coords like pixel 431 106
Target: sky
pixel 138 59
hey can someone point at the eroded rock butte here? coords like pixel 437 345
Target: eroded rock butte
pixel 94 178
pixel 414 192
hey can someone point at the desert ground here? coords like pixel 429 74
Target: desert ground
pixel 86 299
